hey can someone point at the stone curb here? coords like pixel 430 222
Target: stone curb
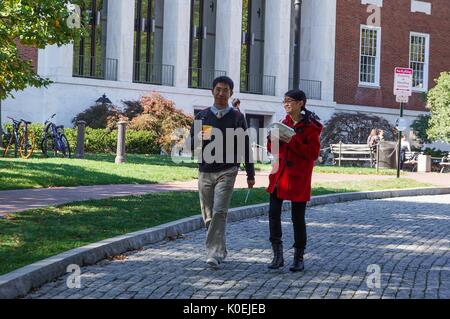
pixel 22 281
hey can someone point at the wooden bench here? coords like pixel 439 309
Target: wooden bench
pixel 352 153
pixel 445 162
pixel 411 159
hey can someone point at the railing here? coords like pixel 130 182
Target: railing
pixel 95 68
pixel 258 84
pixel 312 89
pixel 203 78
pixel 158 74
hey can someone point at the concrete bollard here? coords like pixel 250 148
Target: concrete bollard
pixel 121 127
pixel 80 139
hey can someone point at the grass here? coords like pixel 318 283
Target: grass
pixel 94 170
pixel 354 170
pixel 100 169
pixel 40 233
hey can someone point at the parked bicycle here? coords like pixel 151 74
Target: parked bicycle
pixel 21 138
pixel 54 141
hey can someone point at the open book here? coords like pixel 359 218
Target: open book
pixel 284 131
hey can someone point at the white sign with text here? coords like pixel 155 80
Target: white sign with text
pixel 403 81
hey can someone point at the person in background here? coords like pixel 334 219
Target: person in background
pixel 380 135
pixel 404 147
pixel 236 104
pixel 372 139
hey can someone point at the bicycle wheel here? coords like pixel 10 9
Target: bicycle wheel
pixel 48 146
pixel 65 142
pixel 8 146
pixel 26 146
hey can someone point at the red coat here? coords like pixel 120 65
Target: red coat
pixel 293 181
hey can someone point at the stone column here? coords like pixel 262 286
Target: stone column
pixel 228 39
pixel 120 158
pixel 176 39
pixel 80 139
pixel 277 43
pixel 120 36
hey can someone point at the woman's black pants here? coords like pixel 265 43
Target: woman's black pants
pixel 298 220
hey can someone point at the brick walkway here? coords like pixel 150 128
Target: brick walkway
pixel 408 238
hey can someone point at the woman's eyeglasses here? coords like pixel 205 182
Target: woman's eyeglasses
pixel 290 101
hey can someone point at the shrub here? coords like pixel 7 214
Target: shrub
pixel 156 114
pixel 152 114
pixel 99 116
pixel 354 128
pixel 102 140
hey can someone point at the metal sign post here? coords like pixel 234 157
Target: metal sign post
pixel 402 92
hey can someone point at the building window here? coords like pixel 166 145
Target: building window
pixel 252 49
pixel 418 59
pixel 90 52
pixel 203 44
pixel 148 44
pixel 369 60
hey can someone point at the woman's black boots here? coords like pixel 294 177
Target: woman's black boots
pixel 298 265
pixel 278 260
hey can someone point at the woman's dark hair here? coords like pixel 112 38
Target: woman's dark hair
pixel 223 79
pixel 297 95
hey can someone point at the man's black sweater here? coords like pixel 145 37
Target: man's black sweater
pixel 232 120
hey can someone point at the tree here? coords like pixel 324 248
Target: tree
pixel 354 128
pixel 439 105
pixel 36 24
pixel 420 126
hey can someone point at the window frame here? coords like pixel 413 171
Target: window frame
pixel 376 84
pixel 426 68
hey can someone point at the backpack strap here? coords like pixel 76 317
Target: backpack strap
pixel 202 115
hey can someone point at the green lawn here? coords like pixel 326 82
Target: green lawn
pixel 94 170
pixel 100 169
pixel 40 233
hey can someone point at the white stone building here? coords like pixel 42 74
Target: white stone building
pixel 176 47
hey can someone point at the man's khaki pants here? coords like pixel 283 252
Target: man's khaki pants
pixel 215 191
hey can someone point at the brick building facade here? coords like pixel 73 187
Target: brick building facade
pixel 397 22
pixel 29 54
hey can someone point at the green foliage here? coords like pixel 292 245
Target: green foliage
pixel 439 105
pixel 431 151
pixel 420 127
pixel 99 116
pixel 102 140
pixel 157 114
pixel 154 116
pixel 32 23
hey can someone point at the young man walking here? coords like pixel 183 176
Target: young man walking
pixel 218 168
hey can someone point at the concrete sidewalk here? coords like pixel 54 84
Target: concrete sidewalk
pixel 20 200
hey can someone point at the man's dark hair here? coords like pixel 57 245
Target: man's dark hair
pixel 297 95
pixel 223 79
